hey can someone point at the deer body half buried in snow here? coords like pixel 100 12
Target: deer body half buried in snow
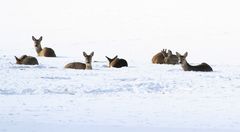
pixel 26 60
pixel 84 66
pixel 187 67
pixel 116 62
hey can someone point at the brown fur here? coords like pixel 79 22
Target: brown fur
pixel 79 65
pixel 159 57
pixel 170 58
pixel 47 52
pixel 116 62
pixel 26 60
pixel 187 67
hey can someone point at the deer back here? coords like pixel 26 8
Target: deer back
pixel 75 65
pixel 47 52
pixel 159 57
pixel 201 67
pixel 116 62
pixel 27 60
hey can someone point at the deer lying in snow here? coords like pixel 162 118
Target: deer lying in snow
pixel 116 62
pixel 159 57
pixel 187 67
pixel 170 58
pixel 47 52
pixel 79 65
pixel 26 60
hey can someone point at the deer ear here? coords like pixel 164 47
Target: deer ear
pixel 84 54
pixel 16 58
pixel 115 57
pixel 185 55
pixel 169 52
pixel 108 58
pixel 40 39
pixel 178 54
pixel 92 54
pixel 33 38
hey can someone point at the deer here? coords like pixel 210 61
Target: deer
pixel 79 65
pixel 204 67
pixel 159 57
pixel 46 52
pixel 26 60
pixel 116 62
pixel 170 58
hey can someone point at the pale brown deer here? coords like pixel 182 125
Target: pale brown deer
pixel 47 52
pixel 159 57
pixel 116 62
pixel 187 67
pixel 26 60
pixel 84 66
pixel 170 58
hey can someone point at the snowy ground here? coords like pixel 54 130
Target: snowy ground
pixel 143 97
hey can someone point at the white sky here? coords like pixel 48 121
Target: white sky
pixel 181 25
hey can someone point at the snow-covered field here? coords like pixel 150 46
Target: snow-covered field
pixel 142 97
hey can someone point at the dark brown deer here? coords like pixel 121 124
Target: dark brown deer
pixel 47 52
pixel 187 67
pixel 116 62
pixel 170 58
pixel 159 57
pixel 79 65
pixel 26 60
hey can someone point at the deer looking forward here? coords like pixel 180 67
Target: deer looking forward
pixel 79 65
pixel 116 62
pixel 187 67
pixel 170 58
pixel 47 52
pixel 26 60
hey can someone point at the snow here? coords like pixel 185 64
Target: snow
pixel 142 97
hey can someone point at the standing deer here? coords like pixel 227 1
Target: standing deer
pixel 47 52
pixel 187 67
pixel 26 60
pixel 170 58
pixel 159 57
pixel 116 62
pixel 79 65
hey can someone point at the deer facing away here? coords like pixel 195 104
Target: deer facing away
pixel 79 65
pixel 116 62
pixel 159 57
pixel 47 52
pixel 187 67
pixel 26 60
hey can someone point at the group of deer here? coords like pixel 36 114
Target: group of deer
pixel 165 57
pixel 162 57
pixel 49 52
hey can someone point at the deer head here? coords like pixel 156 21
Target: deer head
pixel 88 58
pixel 37 43
pixel 182 58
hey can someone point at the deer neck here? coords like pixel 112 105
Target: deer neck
pixel 88 66
pixel 185 65
pixel 38 49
